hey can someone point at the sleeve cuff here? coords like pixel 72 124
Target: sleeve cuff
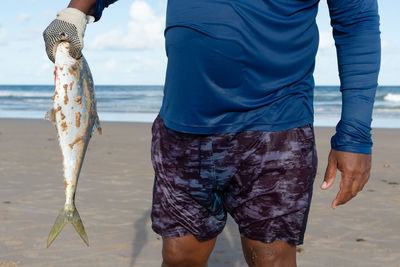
pixel 362 149
pixel 100 5
pixel 98 10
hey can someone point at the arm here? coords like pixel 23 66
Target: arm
pixel 91 7
pixel 70 25
pixel 99 7
pixel 86 6
pixel 357 37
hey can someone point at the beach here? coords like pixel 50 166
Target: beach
pixel 114 199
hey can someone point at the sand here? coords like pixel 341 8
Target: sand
pixel 114 200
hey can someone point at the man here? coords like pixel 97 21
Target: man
pixel 235 129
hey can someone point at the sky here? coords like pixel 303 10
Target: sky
pixel 126 47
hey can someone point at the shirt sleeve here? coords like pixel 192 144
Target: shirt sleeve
pixel 356 32
pixel 100 5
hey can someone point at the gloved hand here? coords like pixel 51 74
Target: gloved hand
pixel 69 26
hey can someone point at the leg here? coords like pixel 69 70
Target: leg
pixel 277 253
pixel 184 208
pixel 186 251
pixel 274 187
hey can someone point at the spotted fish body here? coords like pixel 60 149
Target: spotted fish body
pixel 75 117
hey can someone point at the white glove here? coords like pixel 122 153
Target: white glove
pixel 69 26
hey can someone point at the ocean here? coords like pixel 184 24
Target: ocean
pixel 142 103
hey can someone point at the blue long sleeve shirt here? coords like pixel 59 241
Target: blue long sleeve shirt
pixel 278 41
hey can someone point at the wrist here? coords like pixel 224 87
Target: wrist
pixel 74 16
pixel 86 6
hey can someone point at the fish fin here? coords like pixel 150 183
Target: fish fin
pixel 50 115
pixel 78 225
pixel 64 217
pixel 96 126
pixel 61 220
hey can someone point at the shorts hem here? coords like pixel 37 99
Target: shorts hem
pixel 181 232
pixel 270 239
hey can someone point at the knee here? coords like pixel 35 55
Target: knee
pixel 186 251
pixel 269 254
pixel 177 258
pixel 261 257
pixel 174 259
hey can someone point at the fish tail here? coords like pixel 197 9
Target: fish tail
pixel 78 225
pixel 64 217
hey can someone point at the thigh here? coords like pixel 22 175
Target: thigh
pixel 184 201
pixel 270 195
pixel 186 251
pixel 277 253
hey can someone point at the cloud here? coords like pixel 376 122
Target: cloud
pixel 325 40
pixel 386 44
pixel 145 31
pixel 3 35
pixel 111 64
pixel 391 47
pixel 46 66
pixel 23 17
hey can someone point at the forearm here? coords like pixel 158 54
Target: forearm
pixel 353 130
pixel 86 6
pixel 357 38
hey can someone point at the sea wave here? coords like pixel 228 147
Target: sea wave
pixel 131 102
pixel 7 93
pixel 133 93
pixel 107 94
pixel 392 97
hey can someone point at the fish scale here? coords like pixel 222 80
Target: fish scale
pixel 74 115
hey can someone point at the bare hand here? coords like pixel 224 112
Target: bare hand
pixel 355 169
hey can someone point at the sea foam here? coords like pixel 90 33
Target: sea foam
pixel 392 97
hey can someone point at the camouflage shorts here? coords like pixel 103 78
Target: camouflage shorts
pixel 263 179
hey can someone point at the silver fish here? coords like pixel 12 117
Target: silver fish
pixel 75 117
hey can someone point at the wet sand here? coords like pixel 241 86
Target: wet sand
pixel 114 200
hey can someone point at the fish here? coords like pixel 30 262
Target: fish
pixel 74 115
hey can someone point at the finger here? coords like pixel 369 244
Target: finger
pixel 365 180
pixel 345 191
pixel 50 46
pixel 75 52
pixel 355 187
pixel 330 173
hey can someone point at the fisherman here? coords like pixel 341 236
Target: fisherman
pixel 235 130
